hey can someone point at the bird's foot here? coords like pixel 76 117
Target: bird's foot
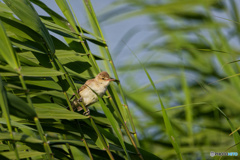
pixel 80 99
pixel 87 112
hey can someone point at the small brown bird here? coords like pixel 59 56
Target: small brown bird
pixel 99 84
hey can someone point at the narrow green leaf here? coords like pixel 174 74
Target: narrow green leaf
pixel 4 147
pixel 15 27
pixel 77 143
pixel 44 83
pixel 60 30
pixel 22 154
pixel 54 111
pixel 27 45
pixel 3 102
pixel 100 118
pixel 4 8
pixel 39 72
pixel 7 74
pixel 97 42
pixel 188 108
pixel 20 108
pixel 6 49
pixel 20 137
pixel 63 5
pixel 61 54
pixel 16 124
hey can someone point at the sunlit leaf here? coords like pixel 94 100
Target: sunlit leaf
pixel 19 107
pixel 48 110
pixel 6 49
pixel 25 11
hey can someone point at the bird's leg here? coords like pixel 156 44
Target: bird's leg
pixel 87 112
pixel 79 108
pixel 80 99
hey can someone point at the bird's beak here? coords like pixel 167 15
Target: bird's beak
pixel 111 79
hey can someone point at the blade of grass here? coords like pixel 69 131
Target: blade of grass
pixel 188 109
pixel 235 75
pixel 176 107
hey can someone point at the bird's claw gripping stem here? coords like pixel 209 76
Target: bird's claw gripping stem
pixel 87 112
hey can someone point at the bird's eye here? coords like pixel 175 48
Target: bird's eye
pixel 102 78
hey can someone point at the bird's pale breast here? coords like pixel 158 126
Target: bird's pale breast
pixel 89 97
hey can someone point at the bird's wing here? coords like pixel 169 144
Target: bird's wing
pixel 82 87
pixel 85 85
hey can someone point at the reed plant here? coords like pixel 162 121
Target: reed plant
pixel 187 106
pixel 39 73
